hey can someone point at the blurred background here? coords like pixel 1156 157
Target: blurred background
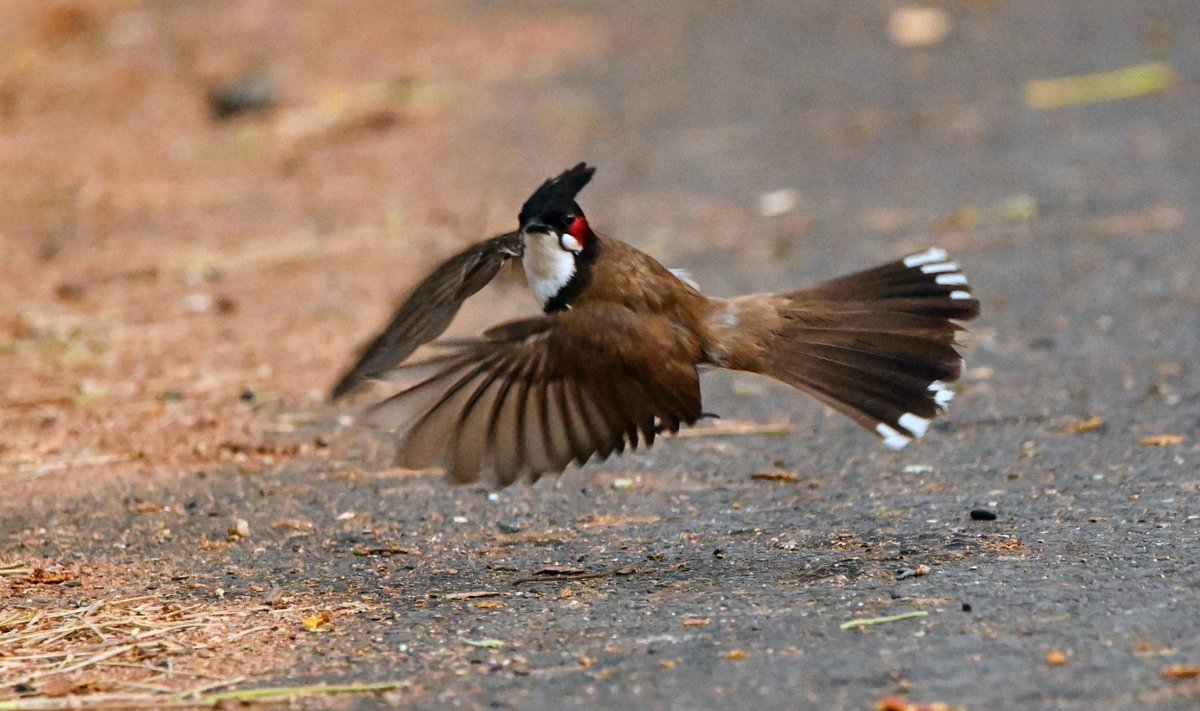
pixel 207 205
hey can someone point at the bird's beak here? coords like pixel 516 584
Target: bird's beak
pixel 535 228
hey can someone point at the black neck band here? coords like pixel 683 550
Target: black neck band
pixel 578 281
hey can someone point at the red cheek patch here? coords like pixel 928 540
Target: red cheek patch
pixel 579 230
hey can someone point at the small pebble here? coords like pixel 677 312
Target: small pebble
pixel 506 527
pixel 1019 208
pixel 239 530
pixel 250 93
pixel 778 202
pixel 918 26
pixel 907 573
pixel 198 303
pixel 982 515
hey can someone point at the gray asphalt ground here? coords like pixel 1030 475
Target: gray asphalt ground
pixel 717 590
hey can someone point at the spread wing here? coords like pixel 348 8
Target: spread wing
pixel 430 308
pixel 532 396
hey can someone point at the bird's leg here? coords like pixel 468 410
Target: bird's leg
pixel 660 428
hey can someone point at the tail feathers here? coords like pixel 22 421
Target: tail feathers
pixel 929 283
pixel 878 345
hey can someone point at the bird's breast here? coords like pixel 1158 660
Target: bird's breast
pixel 548 267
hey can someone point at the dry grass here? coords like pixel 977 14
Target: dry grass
pixel 132 644
pixel 122 651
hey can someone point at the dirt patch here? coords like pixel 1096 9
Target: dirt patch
pixel 178 291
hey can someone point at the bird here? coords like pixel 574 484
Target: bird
pixel 614 359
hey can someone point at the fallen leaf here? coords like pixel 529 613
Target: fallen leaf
pixel 385 550
pixel 1163 440
pixel 42 576
pixel 1127 83
pixel 1056 658
pixel 294 524
pixel 1147 649
pixel 737 655
pixel 1182 672
pixel 484 643
pixel 559 570
pixel 775 476
pixel 961 220
pixel 316 623
pixel 898 703
pixel 1086 426
pixel 471 594
pixel 697 622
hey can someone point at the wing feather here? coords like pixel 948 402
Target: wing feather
pixel 401 410
pixel 430 307
pixel 504 439
pixel 470 435
pixel 530 397
pixel 581 437
pixel 431 432
pixel 556 428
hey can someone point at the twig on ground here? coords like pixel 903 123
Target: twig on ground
pixel 614 572
pixel 736 428
pixel 883 620
pixel 290 692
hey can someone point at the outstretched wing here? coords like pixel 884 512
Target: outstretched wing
pixel 430 308
pixel 532 396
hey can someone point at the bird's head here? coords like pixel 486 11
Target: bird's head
pixel 552 210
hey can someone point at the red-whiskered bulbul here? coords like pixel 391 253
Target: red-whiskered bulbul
pixel 615 358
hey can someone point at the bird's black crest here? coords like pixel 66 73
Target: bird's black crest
pixel 557 194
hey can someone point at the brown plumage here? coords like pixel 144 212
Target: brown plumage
pixel 614 361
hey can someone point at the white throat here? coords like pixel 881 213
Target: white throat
pixel 548 267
